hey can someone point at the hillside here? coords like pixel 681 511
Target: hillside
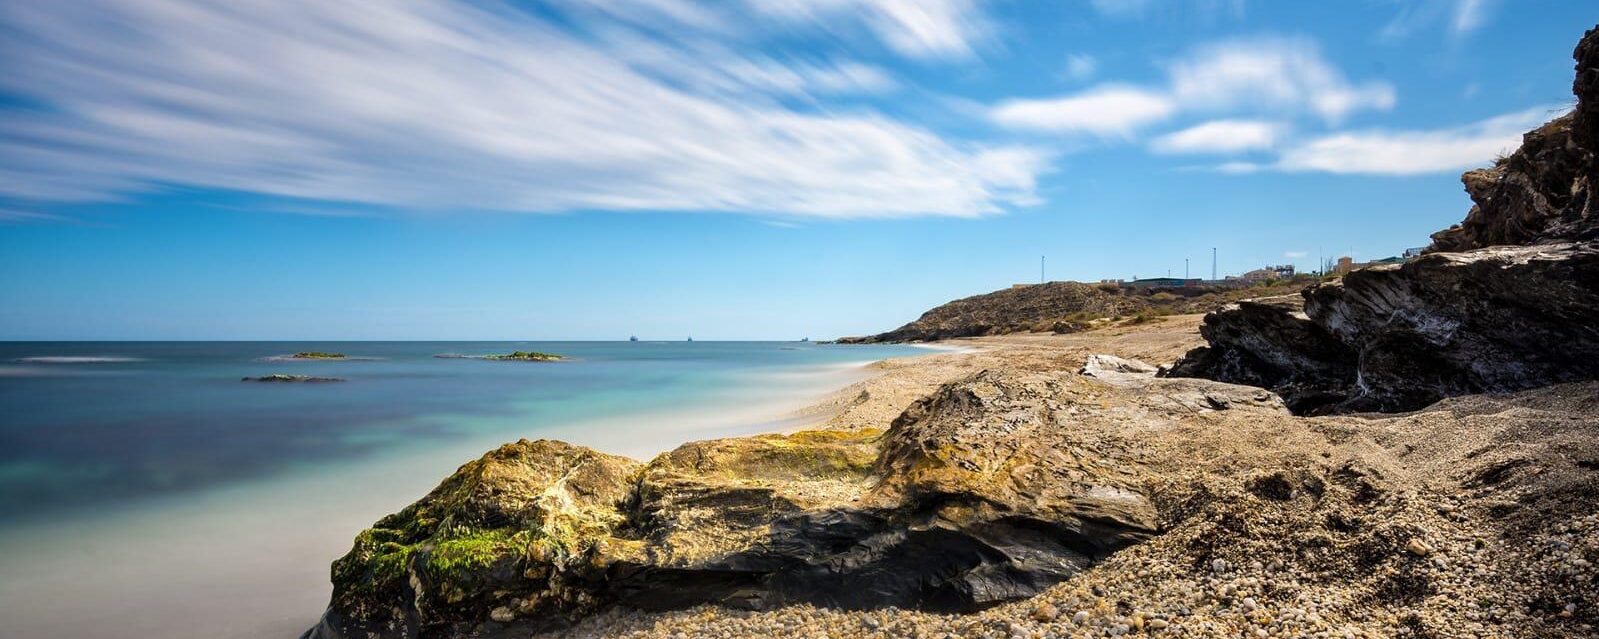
pixel 1063 307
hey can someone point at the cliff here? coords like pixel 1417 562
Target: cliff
pixel 1548 190
pixel 1502 302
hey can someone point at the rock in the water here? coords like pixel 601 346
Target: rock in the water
pixel 279 377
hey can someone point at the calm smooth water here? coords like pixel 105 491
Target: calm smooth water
pixel 145 490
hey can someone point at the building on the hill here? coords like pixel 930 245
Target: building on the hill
pixel 1268 273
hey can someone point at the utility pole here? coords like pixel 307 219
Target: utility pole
pixel 1213 263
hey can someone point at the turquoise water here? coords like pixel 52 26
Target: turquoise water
pixel 145 490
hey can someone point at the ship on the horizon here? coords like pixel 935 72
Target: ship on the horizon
pixel 691 338
pixel 632 338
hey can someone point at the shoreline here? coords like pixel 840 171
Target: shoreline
pixel 188 542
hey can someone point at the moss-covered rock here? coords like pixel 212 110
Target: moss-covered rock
pixel 494 534
pixel 989 490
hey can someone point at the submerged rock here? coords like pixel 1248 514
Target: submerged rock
pixel 984 492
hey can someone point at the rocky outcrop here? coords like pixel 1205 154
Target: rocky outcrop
pixel 1492 320
pixel 1548 190
pixel 989 490
pixel 1400 337
pixel 1513 312
pixel 1023 308
pixel 1271 343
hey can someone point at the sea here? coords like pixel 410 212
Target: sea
pixel 147 490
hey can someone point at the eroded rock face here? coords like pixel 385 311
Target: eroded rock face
pixel 1504 301
pixel 1492 320
pixel 1401 337
pixel 989 490
pixel 1548 190
pixel 1273 344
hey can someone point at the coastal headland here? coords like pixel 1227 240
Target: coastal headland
pixel 1403 451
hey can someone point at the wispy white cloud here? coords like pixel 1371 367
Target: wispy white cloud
pixel 1459 17
pixel 14 216
pixel 916 28
pixel 450 105
pixel 1220 136
pixel 1284 74
pixel 1276 77
pixel 1295 254
pixel 1388 152
pixel 1469 15
pixel 1081 66
pixel 1103 110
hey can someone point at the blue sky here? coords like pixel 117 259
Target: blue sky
pixel 745 169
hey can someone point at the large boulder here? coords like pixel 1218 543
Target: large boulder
pixel 508 534
pixel 989 490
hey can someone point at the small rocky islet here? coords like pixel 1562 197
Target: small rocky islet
pixel 283 378
pixel 1408 451
pixel 517 356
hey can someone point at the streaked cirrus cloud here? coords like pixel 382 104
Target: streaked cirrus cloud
pixel 1413 152
pixel 451 105
pixel 1269 76
pixel 1105 110
pixel 1220 136
pixel 1403 152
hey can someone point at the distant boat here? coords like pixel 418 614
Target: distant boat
pixel 805 339
pixel 691 338
pixel 633 338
